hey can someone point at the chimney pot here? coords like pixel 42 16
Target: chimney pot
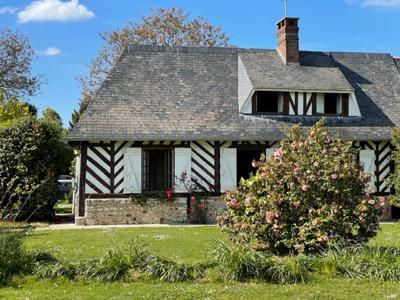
pixel 288 40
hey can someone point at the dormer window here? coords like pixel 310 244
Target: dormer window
pixel 332 104
pixel 267 102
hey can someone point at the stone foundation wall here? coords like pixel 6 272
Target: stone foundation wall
pixel 112 211
pixel 128 211
pixel 214 206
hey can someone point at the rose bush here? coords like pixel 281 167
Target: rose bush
pixel 310 193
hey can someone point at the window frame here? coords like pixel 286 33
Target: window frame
pixel 169 173
pixel 279 94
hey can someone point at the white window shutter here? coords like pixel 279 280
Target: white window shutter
pixel 367 159
pixel 133 170
pixel 320 103
pixel 228 169
pixel 183 164
pixel 339 104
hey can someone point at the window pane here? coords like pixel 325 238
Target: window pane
pixel 157 169
pixel 267 102
pixel 330 104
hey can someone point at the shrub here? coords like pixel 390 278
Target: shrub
pixel 307 195
pixel 30 155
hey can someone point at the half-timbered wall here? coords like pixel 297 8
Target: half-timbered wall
pixel 105 163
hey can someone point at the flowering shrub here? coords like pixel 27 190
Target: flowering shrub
pixel 308 194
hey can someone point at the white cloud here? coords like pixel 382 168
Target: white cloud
pixel 52 51
pixel 54 10
pixel 384 3
pixel 8 10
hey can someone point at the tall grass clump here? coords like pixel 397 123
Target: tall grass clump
pixel 13 257
pixel 238 262
pixel 372 262
pixel 118 263
pixel 163 268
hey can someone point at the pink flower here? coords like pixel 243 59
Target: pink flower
pixel 305 187
pixel 301 144
pixel 296 167
pixel 276 226
pixel 334 176
pixel 254 163
pixel 233 203
pixel 278 153
pixel 371 201
pixel 314 222
pixel 269 215
pixel 168 193
pixel 202 206
pixel 296 203
pixel 381 201
pixel 193 198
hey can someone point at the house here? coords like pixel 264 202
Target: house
pixel 207 112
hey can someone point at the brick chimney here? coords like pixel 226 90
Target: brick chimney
pixel 288 39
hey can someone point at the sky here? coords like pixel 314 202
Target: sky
pixel 64 33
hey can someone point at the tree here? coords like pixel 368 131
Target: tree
pixel 50 115
pixel 16 56
pixel 308 195
pixel 13 110
pixel 165 27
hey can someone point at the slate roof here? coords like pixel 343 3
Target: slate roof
pixel 397 61
pixel 316 72
pixel 183 93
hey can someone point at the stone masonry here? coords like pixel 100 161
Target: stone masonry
pixel 113 211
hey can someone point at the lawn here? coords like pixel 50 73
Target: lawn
pixel 185 244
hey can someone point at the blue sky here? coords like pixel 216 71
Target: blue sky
pixel 65 32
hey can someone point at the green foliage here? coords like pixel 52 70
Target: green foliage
pixel 395 178
pixel 32 153
pixel 112 265
pixel 50 115
pixel 14 259
pixel 12 111
pixel 309 194
pixel 372 262
pixel 241 262
pixel 160 267
pixel 117 263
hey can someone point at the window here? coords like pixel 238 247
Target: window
pixel 331 104
pixel 265 102
pixel 157 169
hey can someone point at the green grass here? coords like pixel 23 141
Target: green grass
pixel 187 245
pixel 63 208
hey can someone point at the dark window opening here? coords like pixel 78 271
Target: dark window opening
pixel 395 213
pixel 266 102
pixel 244 160
pixel 330 104
pixel 157 169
